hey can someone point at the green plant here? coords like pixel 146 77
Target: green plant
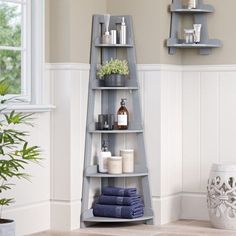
pixel 15 152
pixel 113 67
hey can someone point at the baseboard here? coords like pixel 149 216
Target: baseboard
pixel 65 215
pixel 166 209
pixel 194 206
pixel 30 218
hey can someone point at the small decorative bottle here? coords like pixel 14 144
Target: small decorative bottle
pixel 122 116
pixel 123 32
pixel 102 159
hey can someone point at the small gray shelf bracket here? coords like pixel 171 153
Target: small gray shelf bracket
pixel 199 16
pixel 99 53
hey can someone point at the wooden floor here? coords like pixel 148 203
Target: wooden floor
pixel 179 228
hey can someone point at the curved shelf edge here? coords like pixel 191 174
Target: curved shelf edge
pixel 91 171
pixel 88 216
pixel 114 45
pixel 114 131
pixel 201 9
pixel 212 43
pixel 115 88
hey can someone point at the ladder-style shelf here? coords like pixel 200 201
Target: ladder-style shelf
pixel 199 16
pixel 109 105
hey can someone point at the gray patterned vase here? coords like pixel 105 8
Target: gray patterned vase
pixel 221 196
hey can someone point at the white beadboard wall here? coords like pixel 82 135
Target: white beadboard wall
pixel 189 124
pixel 209 130
pixel 161 92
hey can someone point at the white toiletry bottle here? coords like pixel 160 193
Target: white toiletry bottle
pixel 102 159
pixel 123 32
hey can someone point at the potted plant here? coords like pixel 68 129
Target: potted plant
pixel 114 72
pixel 15 153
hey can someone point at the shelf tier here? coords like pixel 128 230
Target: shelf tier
pixel 89 217
pixel 179 43
pixel 114 45
pixel 115 88
pixel 201 9
pixel 199 45
pixel 114 131
pixel 91 171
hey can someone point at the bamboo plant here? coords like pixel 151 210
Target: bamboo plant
pixel 15 152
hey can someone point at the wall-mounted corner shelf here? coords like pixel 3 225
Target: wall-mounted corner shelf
pixel 201 9
pixel 206 44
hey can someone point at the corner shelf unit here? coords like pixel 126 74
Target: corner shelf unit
pixel 109 95
pixel 199 15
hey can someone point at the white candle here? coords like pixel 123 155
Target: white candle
pixel 115 165
pixel 127 160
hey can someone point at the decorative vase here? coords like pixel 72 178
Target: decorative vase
pixel 221 196
pixel 7 227
pixel 114 80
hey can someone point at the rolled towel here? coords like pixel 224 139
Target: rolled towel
pixel 114 211
pixel 115 200
pixel 123 192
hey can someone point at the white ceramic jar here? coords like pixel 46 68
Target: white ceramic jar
pixel 221 196
pixel 127 160
pixel 115 165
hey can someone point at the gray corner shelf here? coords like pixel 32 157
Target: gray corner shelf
pixel 99 54
pixel 206 44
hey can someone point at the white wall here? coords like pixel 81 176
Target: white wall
pixel 209 130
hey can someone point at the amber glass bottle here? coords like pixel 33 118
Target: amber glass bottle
pixel 122 116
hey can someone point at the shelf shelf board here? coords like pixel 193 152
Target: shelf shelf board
pixel 116 88
pixel 199 45
pixel 200 9
pixel 113 45
pixel 114 131
pixel 91 171
pixel 89 217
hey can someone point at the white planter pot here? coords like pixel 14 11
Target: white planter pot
pixel 221 196
pixel 7 227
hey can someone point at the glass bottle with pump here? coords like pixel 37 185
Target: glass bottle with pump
pixel 122 115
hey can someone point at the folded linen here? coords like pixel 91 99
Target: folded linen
pixel 114 211
pixel 116 200
pixel 115 191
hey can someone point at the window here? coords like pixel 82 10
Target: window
pixel 15 35
pixel 22 47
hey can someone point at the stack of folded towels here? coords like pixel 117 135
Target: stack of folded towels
pixel 119 203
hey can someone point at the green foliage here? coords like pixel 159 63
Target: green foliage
pixel 10 35
pixel 15 152
pixel 113 67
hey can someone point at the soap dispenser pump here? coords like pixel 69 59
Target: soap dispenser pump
pixel 102 158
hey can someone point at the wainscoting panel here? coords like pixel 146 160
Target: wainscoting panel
pixel 161 91
pixel 209 130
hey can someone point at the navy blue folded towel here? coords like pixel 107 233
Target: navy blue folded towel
pixel 123 192
pixel 116 200
pixel 114 211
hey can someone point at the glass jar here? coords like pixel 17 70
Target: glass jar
pixel 189 36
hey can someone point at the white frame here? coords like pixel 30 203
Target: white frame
pixel 33 44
